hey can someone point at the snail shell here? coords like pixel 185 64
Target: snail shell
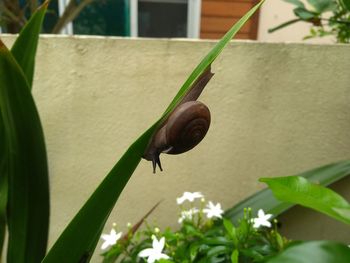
pixel 185 127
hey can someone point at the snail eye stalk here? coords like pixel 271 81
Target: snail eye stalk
pixel 155 162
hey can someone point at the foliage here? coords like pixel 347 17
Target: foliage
pixel 24 172
pixel 203 239
pixel 324 175
pixel 14 13
pixel 24 164
pixel 327 17
pixel 314 251
pixel 298 190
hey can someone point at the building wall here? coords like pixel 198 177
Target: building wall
pixel 274 13
pixel 218 16
pixel 274 113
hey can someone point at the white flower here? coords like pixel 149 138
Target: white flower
pixel 111 239
pixel 213 210
pixel 262 219
pixel 154 253
pixel 188 196
pixel 187 214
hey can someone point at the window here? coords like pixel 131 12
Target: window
pixel 165 18
pixel 138 18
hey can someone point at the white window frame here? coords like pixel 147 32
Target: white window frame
pixel 193 16
pixel 68 29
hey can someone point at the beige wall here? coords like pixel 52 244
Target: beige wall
pixel 276 109
pixel 274 13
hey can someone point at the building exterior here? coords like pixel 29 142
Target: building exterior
pixel 208 19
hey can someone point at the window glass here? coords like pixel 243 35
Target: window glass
pixel 104 17
pixel 162 19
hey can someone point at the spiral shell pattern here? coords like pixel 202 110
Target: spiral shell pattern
pixel 187 126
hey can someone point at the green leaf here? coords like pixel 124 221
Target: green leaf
pixel 290 22
pixel 211 56
pixel 24 49
pixel 234 256
pixel 304 14
pixel 297 3
pixel 321 6
pixel 28 196
pixel 3 185
pixel 346 4
pixel 231 230
pixel 264 199
pixel 79 239
pixel 298 190
pixel 314 251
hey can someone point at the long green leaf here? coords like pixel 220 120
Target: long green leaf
pixel 324 175
pixel 314 251
pixel 79 239
pixel 3 185
pixel 24 50
pixel 298 190
pixel 28 197
pixel 25 46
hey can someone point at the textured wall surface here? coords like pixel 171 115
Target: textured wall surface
pixel 274 13
pixel 277 110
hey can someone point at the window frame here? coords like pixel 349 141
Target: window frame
pixel 193 16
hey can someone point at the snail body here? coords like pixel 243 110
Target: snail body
pixel 185 126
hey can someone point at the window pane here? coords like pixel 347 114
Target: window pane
pixel 107 17
pixel 157 19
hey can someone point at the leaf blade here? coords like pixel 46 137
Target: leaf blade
pixel 314 251
pixel 25 46
pixel 324 175
pixel 298 190
pixel 28 196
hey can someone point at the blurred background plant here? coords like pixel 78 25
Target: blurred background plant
pixel 15 13
pixel 327 18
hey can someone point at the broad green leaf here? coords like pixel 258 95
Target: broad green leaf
pixel 290 22
pixel 314 251
pixel 321 6
pixel 324 175
pixel 346 4
pixel 297 3
pixel 24 49
pixel 298 190
pixel 79 239
pixel 304 14
pixel 28 196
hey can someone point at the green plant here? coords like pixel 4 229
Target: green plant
pixel 14 13
pixel 327 17
pixel 204 236
pixel 24 178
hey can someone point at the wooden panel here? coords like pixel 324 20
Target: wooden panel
pixel 230 9
pixel 205 35
pixel 217 16
pixel 222 24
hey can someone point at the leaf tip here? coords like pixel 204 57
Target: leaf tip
pixel 44 5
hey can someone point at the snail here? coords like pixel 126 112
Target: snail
pixel 185 126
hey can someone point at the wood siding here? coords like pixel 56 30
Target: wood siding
pixel 218 16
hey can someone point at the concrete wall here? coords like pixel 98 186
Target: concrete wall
pixel 277 110
pixel 276 12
